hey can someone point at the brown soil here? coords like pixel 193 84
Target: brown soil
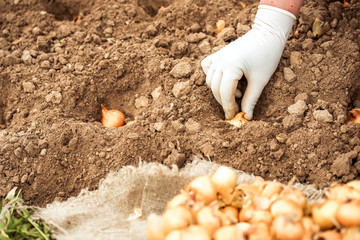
pixel 61 59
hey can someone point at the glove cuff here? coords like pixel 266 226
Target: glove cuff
pixel 278 10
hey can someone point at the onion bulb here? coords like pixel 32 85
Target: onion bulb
pixel 112 118
pixel 231 215
pixel 202 190
pixel 176 218
pixel 309 228
pixel 220 25
pixel 155 227
pixel 353 116
pixel 224 180
pixel 348 214
pixel 226 233
pixel 294 195
pixel 195 233
pixel 329 235
pixel 246 214
pixel 179 200
pixel 352 233
pixel 208 220
pixel 271 189
pixel 355 184
pixel 259 231
pixel 342 193
pixel 261 216
pixel 324 214
pixel 287 227
pixel 284 206
pixel 174 235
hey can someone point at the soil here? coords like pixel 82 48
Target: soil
pixel 61 59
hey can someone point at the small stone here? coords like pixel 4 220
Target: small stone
pixel 156 93
pixel 45 64
pixel 158 126
pixel 102 154
pixel 302 96
pixel 181 70
pixel 316 58
pixel 181 88
pixel 282 137
pixel 195 27
pixel 178 126
pixel 54 97
pixel 295 59
pixel 141 102
pixel 205 47
pixel 291 122
pixel 342 165
pixel 108 30
pixel 274 146
pixel 80 36
pixel 18 152
pixel 227 34
pixel 31 149
pixel 78 67
pixel 42 143
pixel 133 136
pixel 323 116
pixel 36 31
pixel 24 178
pixel 192 126
pixel 65 30
pixel 175 158
pixel 15 179
pixel 28 87
pixel 308 44
pixel 26 57
pixel 43 152
pixel 226 144
pixel 151 30
pixel 10 60
pixel 207 149
pixel 242 29
pixel 298 108
pixel 96 39
pixel 289 75
pixel 192 38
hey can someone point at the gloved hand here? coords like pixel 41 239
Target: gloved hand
pixel 256 55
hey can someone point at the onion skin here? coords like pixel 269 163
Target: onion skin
pixel 352 233
pixel 194 233
pixel 231 214
pixel 271 189
pixel 220 25
pixel 174 235
pixel 348 214
pixel 294 195
pixel 176 218
pixel 324 214
pixel 178 200
pixel 155 227
pixel 259 231
pixel 284 206
pixel 202 190
pixel 112 118
pixel 342 193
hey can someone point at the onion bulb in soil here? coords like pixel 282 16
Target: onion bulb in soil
pixel 224 180
pixel 155 227
pixel 176 218
pixel 201 190
pixel 220 25
pixel 287 227
pixel 112 118
pixel 207 218
pixel 348 214
pixel 324 214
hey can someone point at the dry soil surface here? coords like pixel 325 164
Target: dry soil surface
pixel 61 59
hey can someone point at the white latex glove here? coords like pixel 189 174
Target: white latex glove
pixel 256 55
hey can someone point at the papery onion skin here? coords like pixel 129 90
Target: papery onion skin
pixel 179 200
pixel 352 233
pixel 259 231
pixel 261 216
pixel 202 189
pixel 174 235
pixel 220 25
pixel 231 213
pixel 176 218
pixel 287 228
pixel 284 206
pixel 112 118
pixel 271 189
pixel 208 220
pixel 226 233
pixel 155 227
pixel 324 214
pixel 342 193
pixel 348 214
pixel 294 195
